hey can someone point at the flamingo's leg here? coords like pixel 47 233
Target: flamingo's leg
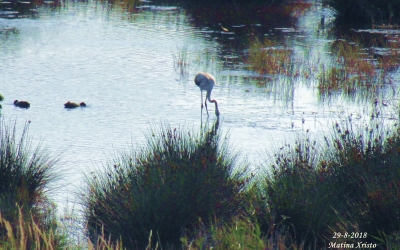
pixel 201 94
pixel 205 103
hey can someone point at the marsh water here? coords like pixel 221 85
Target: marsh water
pixel 135 70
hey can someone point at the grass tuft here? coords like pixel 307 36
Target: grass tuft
pixel 346 183
pixel 25 178
pixel 177 180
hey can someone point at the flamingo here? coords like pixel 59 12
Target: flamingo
pixel 205 81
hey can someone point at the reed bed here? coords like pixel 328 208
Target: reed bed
pixel 347 182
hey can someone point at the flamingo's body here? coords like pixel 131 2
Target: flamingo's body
pixel 206 82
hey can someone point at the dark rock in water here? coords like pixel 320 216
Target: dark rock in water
pixel 82 104
pixel 22 104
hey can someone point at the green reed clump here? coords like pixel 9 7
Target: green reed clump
pixel 349 183
pixel 165 188
pixel 292 198
pixel 25 178
pixel 365 169
pixel 1 97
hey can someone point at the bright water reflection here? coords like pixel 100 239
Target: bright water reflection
pixel 124 67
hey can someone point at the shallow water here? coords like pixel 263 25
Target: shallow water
pixel 124 66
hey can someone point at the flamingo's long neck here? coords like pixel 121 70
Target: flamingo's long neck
pixel 213 101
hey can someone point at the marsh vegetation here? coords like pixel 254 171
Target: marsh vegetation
pixel 189 190
pixel 192 188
